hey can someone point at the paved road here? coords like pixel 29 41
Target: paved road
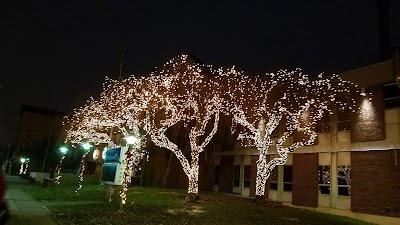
pixel 23 209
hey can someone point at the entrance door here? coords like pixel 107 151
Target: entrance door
pixel 241 175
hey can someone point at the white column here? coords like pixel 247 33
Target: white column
pixel 334 180
pixel 280 183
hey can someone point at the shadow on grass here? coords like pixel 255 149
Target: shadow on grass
pixel 147 205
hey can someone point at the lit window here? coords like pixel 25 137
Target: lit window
pixel 324 180
pixel 344 180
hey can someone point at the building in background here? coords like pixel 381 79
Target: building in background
pixel 38 138
pixel 353 169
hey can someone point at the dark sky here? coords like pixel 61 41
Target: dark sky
pixel 54 54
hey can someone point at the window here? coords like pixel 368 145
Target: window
pixel 324 180
pixel 343 120
pixel 216 175
pixel 324 124
pixel 247 173
pixel 391 94
pixel 236 176
pixel 344 181
pixel 287 178
pixel 273 184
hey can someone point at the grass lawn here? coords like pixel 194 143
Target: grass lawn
pixel 146 205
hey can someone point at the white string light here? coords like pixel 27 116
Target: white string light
pixel 195 94
pixel 57 178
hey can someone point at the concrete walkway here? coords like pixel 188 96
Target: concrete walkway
pixel 23 209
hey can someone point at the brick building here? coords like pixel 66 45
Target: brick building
pixel 37 138
pixel 352 169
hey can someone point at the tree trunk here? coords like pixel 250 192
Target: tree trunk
pixel 261 178
pixel 168 168
pixel 191 197
pixel 264 170
pixel 260 199
pixel 194 177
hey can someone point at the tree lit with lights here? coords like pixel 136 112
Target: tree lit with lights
pixel 267 112
pixel 186 92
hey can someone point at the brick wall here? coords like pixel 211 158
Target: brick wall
pixel 301 136
pixel 226 174
pixel 206 172
pixel 368 123
pixel 38 130
pixel 154 169
pixel 253 177
pixel 305 180
pixel 177 177
pixel 375 183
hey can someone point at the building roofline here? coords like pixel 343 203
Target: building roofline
pixel 366 67
pixel 34 109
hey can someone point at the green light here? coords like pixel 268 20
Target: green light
pixel 22 160
pixel 64 150
pixel 87 146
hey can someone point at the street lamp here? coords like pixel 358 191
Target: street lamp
pixel 86 146
pixel 64 151
pixel 132 140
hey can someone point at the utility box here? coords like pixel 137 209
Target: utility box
pixel 112 170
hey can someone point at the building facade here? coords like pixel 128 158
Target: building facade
pixel 352 169
pixel 38 134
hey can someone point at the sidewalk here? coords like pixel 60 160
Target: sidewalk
pixel 23 209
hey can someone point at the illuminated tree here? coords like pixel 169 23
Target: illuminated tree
pixel 186 92
pixel 124 102
pixel 95 121
pixel 89 124
pixel 260 105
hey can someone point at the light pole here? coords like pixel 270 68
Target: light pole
pixel 63 151
pixel 133 157
pixel 24 166
pixel 86 147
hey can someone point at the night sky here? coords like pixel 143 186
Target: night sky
pixel 56 54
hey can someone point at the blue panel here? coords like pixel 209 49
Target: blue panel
pixel 108 172
pixel 113 155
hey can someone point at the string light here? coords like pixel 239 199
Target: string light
pixel 24 166
pixel 195 94
pixel 132 161
pixel 86 147
pixel 64 151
